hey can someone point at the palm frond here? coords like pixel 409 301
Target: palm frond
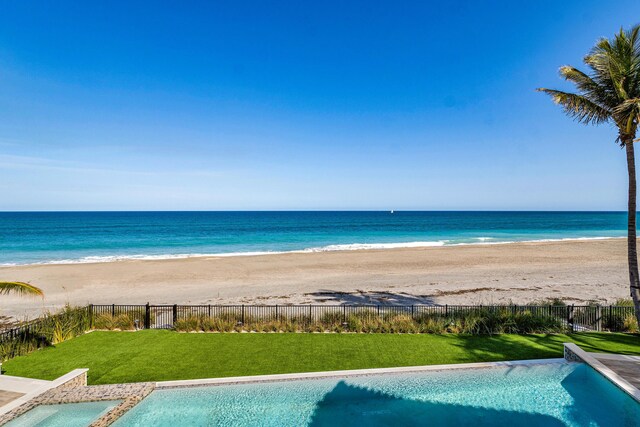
pixel 629 111
pixel 616 63
pixel 21 288
pixel 589 88
pixel 579 107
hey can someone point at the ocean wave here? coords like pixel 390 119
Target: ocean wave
pixel 327 248
pixel 368 246
pixel 142 257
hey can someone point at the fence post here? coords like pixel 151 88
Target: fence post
pixel 570 317
pixel 147 317
pixel 276 311
pixel 175 313
pixel 242 314
pixel 412 311
pixel 598 318
pixel 90 316
pixel 446 310
pixel 610 318
pixel 344 314
pixel 113 310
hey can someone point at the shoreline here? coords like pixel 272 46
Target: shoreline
pixel 350 247
pixel 575 271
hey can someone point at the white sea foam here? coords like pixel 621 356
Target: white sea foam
pixel 365 246
pixel 328 248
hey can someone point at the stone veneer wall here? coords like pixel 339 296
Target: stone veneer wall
pixel 78 381
pixel 570 355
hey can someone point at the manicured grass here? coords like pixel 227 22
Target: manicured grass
pixel 114 357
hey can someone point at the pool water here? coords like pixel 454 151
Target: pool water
pixel 550 394
pixel 64 415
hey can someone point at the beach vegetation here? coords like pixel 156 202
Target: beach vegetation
pixel 609 92
pixel 128 319
pixel 617 320
pixel 556 302
pixel 477 322
pixel 51 329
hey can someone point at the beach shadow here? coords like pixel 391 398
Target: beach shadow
pixel 349 405
pixel 370 298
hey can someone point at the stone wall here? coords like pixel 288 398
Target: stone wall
pixel 570 355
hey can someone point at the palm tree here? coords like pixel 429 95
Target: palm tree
pixel 610 93
pixel 21 288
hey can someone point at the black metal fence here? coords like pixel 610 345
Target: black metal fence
pixel 28 328
pixel 44 331
pixel 42 324
pixel 574 318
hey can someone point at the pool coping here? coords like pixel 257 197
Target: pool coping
pixel 573 352
pixel 346 373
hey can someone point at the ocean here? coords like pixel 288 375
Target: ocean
pixel 71 237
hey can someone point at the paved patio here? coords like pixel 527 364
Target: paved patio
pixel 12 388
pixel 8 396
pixel 627 367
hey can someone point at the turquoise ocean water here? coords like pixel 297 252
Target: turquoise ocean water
pixel 61 237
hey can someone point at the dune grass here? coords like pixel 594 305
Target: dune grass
pixel 114 357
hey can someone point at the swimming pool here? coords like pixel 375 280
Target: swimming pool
pixel 549 394
pixel 64 415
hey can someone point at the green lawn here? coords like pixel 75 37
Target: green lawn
pixel 165 355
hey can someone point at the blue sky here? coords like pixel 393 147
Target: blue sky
pixel 300 105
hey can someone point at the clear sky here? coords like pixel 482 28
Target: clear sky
pixel 300 105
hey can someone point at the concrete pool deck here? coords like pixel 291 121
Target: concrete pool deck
pixel 15 391
pixel 628 367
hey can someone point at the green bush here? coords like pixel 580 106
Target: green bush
pixel 190 324
pixel 123 322
pixel 620 322
pixel 50 329
pixel 468 321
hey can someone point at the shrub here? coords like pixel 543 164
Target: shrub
pixel 630 323
pixel 508 319
pixel 401 323
pixel 190 324
pixel 52 328
pixel 122 321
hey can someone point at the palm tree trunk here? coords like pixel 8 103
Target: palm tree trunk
pixel 632 254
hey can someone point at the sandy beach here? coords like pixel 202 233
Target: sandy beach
pixel 575 271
